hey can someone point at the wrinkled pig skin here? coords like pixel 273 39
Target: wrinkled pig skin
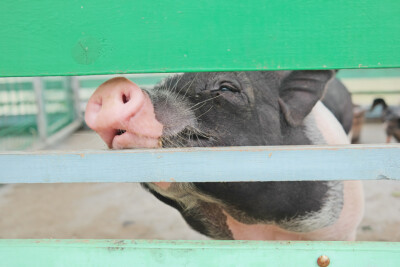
pixel 239 109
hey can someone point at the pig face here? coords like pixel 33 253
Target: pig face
pixel 216 109
pixel 230 109
pixel 207 109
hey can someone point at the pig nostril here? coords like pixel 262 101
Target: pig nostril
pixel 120 132
pixel 125 98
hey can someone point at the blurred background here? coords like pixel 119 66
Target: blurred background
pixel 46 113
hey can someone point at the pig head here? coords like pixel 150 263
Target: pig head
pixel 237 109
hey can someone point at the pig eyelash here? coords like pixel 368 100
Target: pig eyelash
pixel 227 87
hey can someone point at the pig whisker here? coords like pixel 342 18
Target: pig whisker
pixel 168 93
pixel 186 86
pixel 189 135
pixel 176 84
pixel 167 88
pixel 199 107
pixel 169 142
pixel 199 141
pixel 195 76
pixel 165 141
pixel 170 89
pixel 204 112
pixel 204 101
pixel 180 143
pixel 201 136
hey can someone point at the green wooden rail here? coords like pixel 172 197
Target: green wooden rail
pixel 195 253
pixel 39 38
pixel 97 37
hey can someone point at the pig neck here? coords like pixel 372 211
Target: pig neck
pixel 314 198
pixel 320 127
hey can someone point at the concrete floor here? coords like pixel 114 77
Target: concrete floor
pixel 126 211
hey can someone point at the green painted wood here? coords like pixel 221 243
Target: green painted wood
pixel 274 163
pixel 369 73
pixel 97 37
pixel 194 253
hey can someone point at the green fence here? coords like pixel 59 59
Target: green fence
pixel 33 109
pixel 49 38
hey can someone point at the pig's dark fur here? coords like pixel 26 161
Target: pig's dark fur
pixel 248 109
pixel 338 100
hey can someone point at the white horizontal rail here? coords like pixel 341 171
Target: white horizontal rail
pixel 274 163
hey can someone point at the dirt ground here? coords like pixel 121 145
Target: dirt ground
pixel 109 210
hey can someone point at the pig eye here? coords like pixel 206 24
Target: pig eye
pixel 224 87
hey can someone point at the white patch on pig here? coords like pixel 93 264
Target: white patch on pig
pixel 350 217
pixel 322 128
pixel 326 216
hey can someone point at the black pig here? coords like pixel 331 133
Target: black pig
pixel 239 109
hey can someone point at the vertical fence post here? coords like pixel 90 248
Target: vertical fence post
pixel 41 110
pixel 74 84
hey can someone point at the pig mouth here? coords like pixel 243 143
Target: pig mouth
pixel 188 137
pixel 125 139
pixel 120 132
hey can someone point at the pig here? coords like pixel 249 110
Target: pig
pixel 212 109
pixel 391 117
pixel 358 122
pixel 338 100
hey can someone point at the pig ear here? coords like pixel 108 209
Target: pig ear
pixel 300 91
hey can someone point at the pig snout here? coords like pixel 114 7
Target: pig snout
pixel 123 115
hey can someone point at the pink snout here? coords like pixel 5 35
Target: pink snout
pixel 123 115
